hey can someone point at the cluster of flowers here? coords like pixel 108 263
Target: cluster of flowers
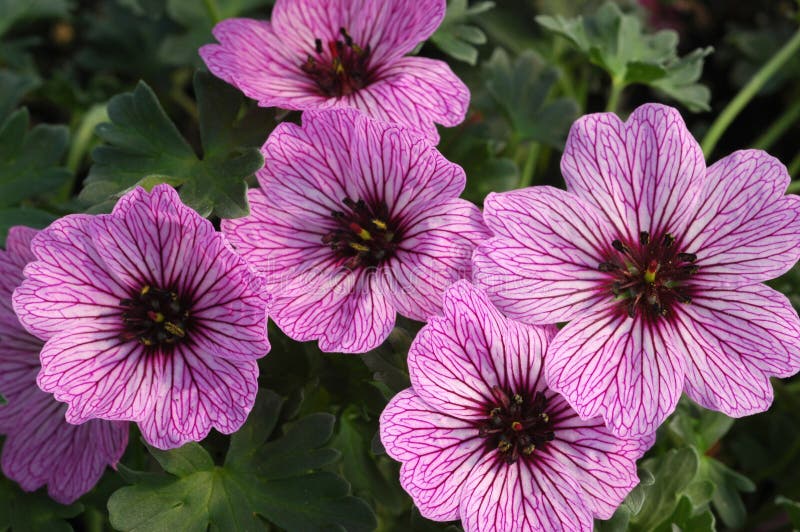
pixel 150 315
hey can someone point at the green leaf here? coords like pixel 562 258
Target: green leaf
pixel 673 473
pixel 617 43
pixel 727 499
pixel 697 426
pixel 455 36
pixel 32 512
pixel 686 518
pixel 143 147
pixel 266 476
pixel 12 216
pixel 360 466
pixel 184 460
pixel 13 87
pixel 29 159
pixel 521 89
pixel 198 21
pixel 792 509
pixel 14 11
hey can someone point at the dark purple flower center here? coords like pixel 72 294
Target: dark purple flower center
pixel 340 68
pixel 364 235
pixel 517 424
pixel 155 317
pixel 650 277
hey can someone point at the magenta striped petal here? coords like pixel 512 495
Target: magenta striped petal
pixel 438 452
pixel 734 340
pixel 482 439
pixel 633 253
pixel 541 267
pixel 40 447
pixel 288 63
pixel 643 174
pixel 745 230
pixel 498 497
pixel 356 220
pixel 149 316
pixel 624 370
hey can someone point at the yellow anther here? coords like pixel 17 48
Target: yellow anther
pixel 379 224
pixel 144 290
pixel 528 449
pixel 146 341
pixel 517 398
pixel 364 235
pixel 158 318
pixel 545 417
pixel 650 276
pixel 504 446
pixel 359 247
pixel 174 329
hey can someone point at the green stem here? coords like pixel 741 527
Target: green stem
pixel 613 98
pixel 794 171
pixel 779 127
pixel 748 92
pixel 213 10
pixel 526 178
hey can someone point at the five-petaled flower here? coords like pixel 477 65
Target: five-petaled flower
pixel 40 446
pixel 656 262
pixel 355 221
pixel 148 316
pixel 325 54
pixel 483 439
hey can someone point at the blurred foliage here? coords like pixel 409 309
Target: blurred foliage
pixel 97 96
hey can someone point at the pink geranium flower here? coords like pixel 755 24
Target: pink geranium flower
pixel 325 54
pixel 656 262
pixel 483 439
pixel 41 448
pixel 356 220
pixel 149 316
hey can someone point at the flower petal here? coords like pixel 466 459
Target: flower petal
pixel 97 374
pixel 437 451
pixel 435 252
pixel 603 464
pixel 70 459
pixel 346 311
pixel 69 282
pixel 734 340
pixel 194 391
pixel 542 266
pixel 521 496
pixel 391 28
pixel 623 369
pixel 745 230
pixel 456 359
pixel 416 92
pixel 263 66
pixel 643 174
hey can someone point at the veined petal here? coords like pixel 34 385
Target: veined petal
pixel 391 28
pixel 345 310
pixel 262 65
pixel 521 496
pixel 542 266
pixel 643 174
pixel 416 92
pixel 438 452
pixel 744 230
pixel 603 464
pixel 70 459
pixel 733 341
pixel 457 359
pixel 623 369
pixel 97 374
pixel 195 391
pixel 69 281
pixel 12 261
